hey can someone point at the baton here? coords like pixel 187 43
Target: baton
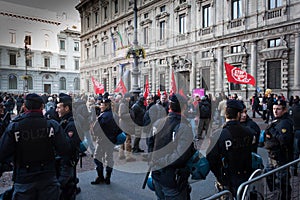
pixel 146 178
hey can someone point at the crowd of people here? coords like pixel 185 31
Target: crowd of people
pixel 58 129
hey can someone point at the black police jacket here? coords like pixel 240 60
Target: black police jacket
pixel 68 125
pixel 173 147
pixel 230 152
pixel 33 141
pixel 279 139
pixel 108 125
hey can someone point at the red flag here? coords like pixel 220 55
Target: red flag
pixel 173 84
pixel 121 87
pixel 158 92
pixel 238 76
pixel 98 87
pixel 182 93
pixel 146 92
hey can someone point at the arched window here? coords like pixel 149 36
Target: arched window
pixel 62 83
pixel 30 83
pixel 12 82
pixel 76 84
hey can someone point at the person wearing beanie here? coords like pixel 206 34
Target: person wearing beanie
pixel 229 154
pixel 173 147
pixel 34 141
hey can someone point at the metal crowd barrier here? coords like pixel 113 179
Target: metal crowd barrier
pixel 226 194
pixel 271 184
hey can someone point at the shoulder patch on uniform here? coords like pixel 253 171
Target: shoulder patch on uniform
pixel 283 130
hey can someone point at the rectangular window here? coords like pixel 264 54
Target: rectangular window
pixel 162 83
pixel 205 54
pixel 236 9
pixel 162 29
pixel 76 46
pixel 12 38
pixel 274 74
pixel 96 14
pixel 162 8
pixel 104 84
pixel 116 6
pixel 62 63
pixel 76 64
pixel 47 62
pixel 87 85
pixel 29 61
pixel 182 24
pixel 236 49
pixel 274 4
pixel 95 51
pixel 104 48
pixel 105 12
pixel 206 16
pixel 146 15
pixel 274 43
pixel 62 44
pixel 146 35
pixel 88 21
pixel 115 82
pixel 12 59
pixel 206 78
pixel 87 53
pixel 27 40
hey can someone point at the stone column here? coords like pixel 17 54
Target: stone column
pixel 193 72
pixel 110 88
pixel 297 62
pixel 254 64
pixel 219 71
pixel 153 81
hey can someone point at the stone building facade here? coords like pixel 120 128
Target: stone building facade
pixel 193 38
pixel 40 46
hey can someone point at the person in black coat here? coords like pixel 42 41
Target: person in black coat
pixel 106 130
pixel 229 154
pixel 252 125
pixel 34 141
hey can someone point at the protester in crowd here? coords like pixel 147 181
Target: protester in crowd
pixel 127 125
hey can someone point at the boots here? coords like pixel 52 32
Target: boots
pixel 108 175
pixel 100 179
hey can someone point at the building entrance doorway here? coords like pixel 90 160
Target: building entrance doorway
pixel 47 88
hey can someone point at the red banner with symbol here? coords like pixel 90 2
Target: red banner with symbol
pixel 238 76
pixel 98 87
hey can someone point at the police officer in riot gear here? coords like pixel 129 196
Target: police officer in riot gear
pixel 279 138
pixel 67 165
pixel 33 141
pixel 229 155
pixel 173 147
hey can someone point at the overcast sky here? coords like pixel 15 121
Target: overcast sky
pixel 58 6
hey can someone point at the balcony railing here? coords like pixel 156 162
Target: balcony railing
pixel 277 12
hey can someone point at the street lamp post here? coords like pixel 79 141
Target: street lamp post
pixel 26 74
pixel 135 69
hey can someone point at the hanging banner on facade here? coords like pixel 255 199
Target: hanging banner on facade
pixel 238 76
